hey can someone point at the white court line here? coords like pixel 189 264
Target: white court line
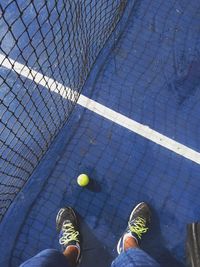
pixel 102 110
pixel 38 78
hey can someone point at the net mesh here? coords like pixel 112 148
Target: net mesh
pixel 47 49
pixel 151 76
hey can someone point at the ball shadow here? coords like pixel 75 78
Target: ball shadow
pixel 94 186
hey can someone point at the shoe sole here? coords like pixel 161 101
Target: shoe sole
pixel 118 244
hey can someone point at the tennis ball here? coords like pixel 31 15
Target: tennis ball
pixel 83 179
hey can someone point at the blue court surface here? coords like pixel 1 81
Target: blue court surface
pixel 149 71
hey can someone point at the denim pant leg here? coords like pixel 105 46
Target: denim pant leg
pixel 134 257
pixel 47 258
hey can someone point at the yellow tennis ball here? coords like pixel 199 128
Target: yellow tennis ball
pixel 83 180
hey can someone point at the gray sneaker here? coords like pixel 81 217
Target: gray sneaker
pixel 137 224
pixel 67 226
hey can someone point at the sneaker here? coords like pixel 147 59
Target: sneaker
pixel 67 226
pixel 137 225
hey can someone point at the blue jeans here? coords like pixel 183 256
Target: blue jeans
pixel 134 257
pixel 53 258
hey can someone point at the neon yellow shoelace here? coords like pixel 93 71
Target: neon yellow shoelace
pixel 138 227
pixel 69 234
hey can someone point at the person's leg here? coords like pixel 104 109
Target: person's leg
pixel 47 258
pixel 130 255
pixel 67 225
pixel 134 257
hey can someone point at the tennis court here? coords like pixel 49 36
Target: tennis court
pixel 111 89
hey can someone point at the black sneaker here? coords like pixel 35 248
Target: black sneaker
pixel 137 224
pixel 67 226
